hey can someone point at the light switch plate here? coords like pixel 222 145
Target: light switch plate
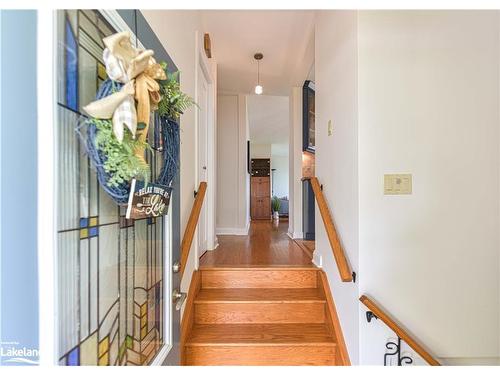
pixel 396 184
pixel 330 128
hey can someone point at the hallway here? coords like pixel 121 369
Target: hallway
pixel 266 244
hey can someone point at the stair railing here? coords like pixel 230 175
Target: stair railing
pixel 190 230
pixel 376 312
pixel 345 271
pixel 346 275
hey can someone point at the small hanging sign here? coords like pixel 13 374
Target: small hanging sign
pixel 151 200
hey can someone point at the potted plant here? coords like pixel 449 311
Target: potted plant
pixel 276 204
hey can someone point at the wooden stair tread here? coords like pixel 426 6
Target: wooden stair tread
pixel 261 295
pixel 305 334
pixel 275 277
pixel 254 267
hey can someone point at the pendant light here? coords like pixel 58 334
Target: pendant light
pixel 258 89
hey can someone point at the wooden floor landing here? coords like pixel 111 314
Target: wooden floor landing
pixel 266 245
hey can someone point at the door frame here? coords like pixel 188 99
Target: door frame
pixel 47 195
pixel 46 199
pixel 204 65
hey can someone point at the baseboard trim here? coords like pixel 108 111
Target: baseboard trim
pixel 231 231
pixel 317 259
pixel 214 245
pixel 295 235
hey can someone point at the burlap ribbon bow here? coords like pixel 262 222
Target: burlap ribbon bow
pixel 139 71
pixel 147 94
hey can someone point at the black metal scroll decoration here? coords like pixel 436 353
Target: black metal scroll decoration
pixel 393 347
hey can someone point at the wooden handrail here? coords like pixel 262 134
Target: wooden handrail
pixel 401 332
pixel 187 240
pixel 338 251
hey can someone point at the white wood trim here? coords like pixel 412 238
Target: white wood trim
pixel 46 185
pixel 119 24
pixel 197 254
pixel 168 277
pixel 202 62
pixel 295 235
pixel 162 355
pixel 317 259
pixel 213 242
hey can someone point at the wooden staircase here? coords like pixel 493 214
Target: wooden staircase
pixel 261 316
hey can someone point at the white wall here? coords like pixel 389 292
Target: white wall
pixel 421 89
pixel 429 105
pixel 260 150
pixel 337 156
pixel 233 187
pixel 295 164
pixel 280 177
pixel 177 32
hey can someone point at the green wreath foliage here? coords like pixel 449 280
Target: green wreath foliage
pixel 121 162
pixel 173 101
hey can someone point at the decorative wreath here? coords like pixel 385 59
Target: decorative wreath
pixel 115 134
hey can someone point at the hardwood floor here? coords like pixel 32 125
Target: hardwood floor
pixel 307 246
pixel 267 245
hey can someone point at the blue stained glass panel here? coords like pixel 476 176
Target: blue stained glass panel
pixel 71 68
pixel 73 358
pixel 84 222
pixel 93 231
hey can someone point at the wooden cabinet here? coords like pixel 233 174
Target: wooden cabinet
pixel 260 198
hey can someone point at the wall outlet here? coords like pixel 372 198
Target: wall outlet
pixel 330 128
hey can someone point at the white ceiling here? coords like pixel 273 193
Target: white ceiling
pixel 268 119
pixel 285 37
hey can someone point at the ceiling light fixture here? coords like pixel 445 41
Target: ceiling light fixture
pixel 258 89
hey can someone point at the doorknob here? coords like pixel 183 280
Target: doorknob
pixel 204 167
pixel 178 298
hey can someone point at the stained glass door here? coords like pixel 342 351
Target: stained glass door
pixel 112 283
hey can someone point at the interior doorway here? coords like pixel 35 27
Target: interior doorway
pixel 268 122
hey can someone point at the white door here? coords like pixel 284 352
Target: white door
pixel 203 113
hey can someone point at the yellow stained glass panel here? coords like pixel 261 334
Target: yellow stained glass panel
pixel 84 233
pixel 104 346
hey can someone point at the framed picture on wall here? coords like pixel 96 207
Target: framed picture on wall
pixel 308 117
